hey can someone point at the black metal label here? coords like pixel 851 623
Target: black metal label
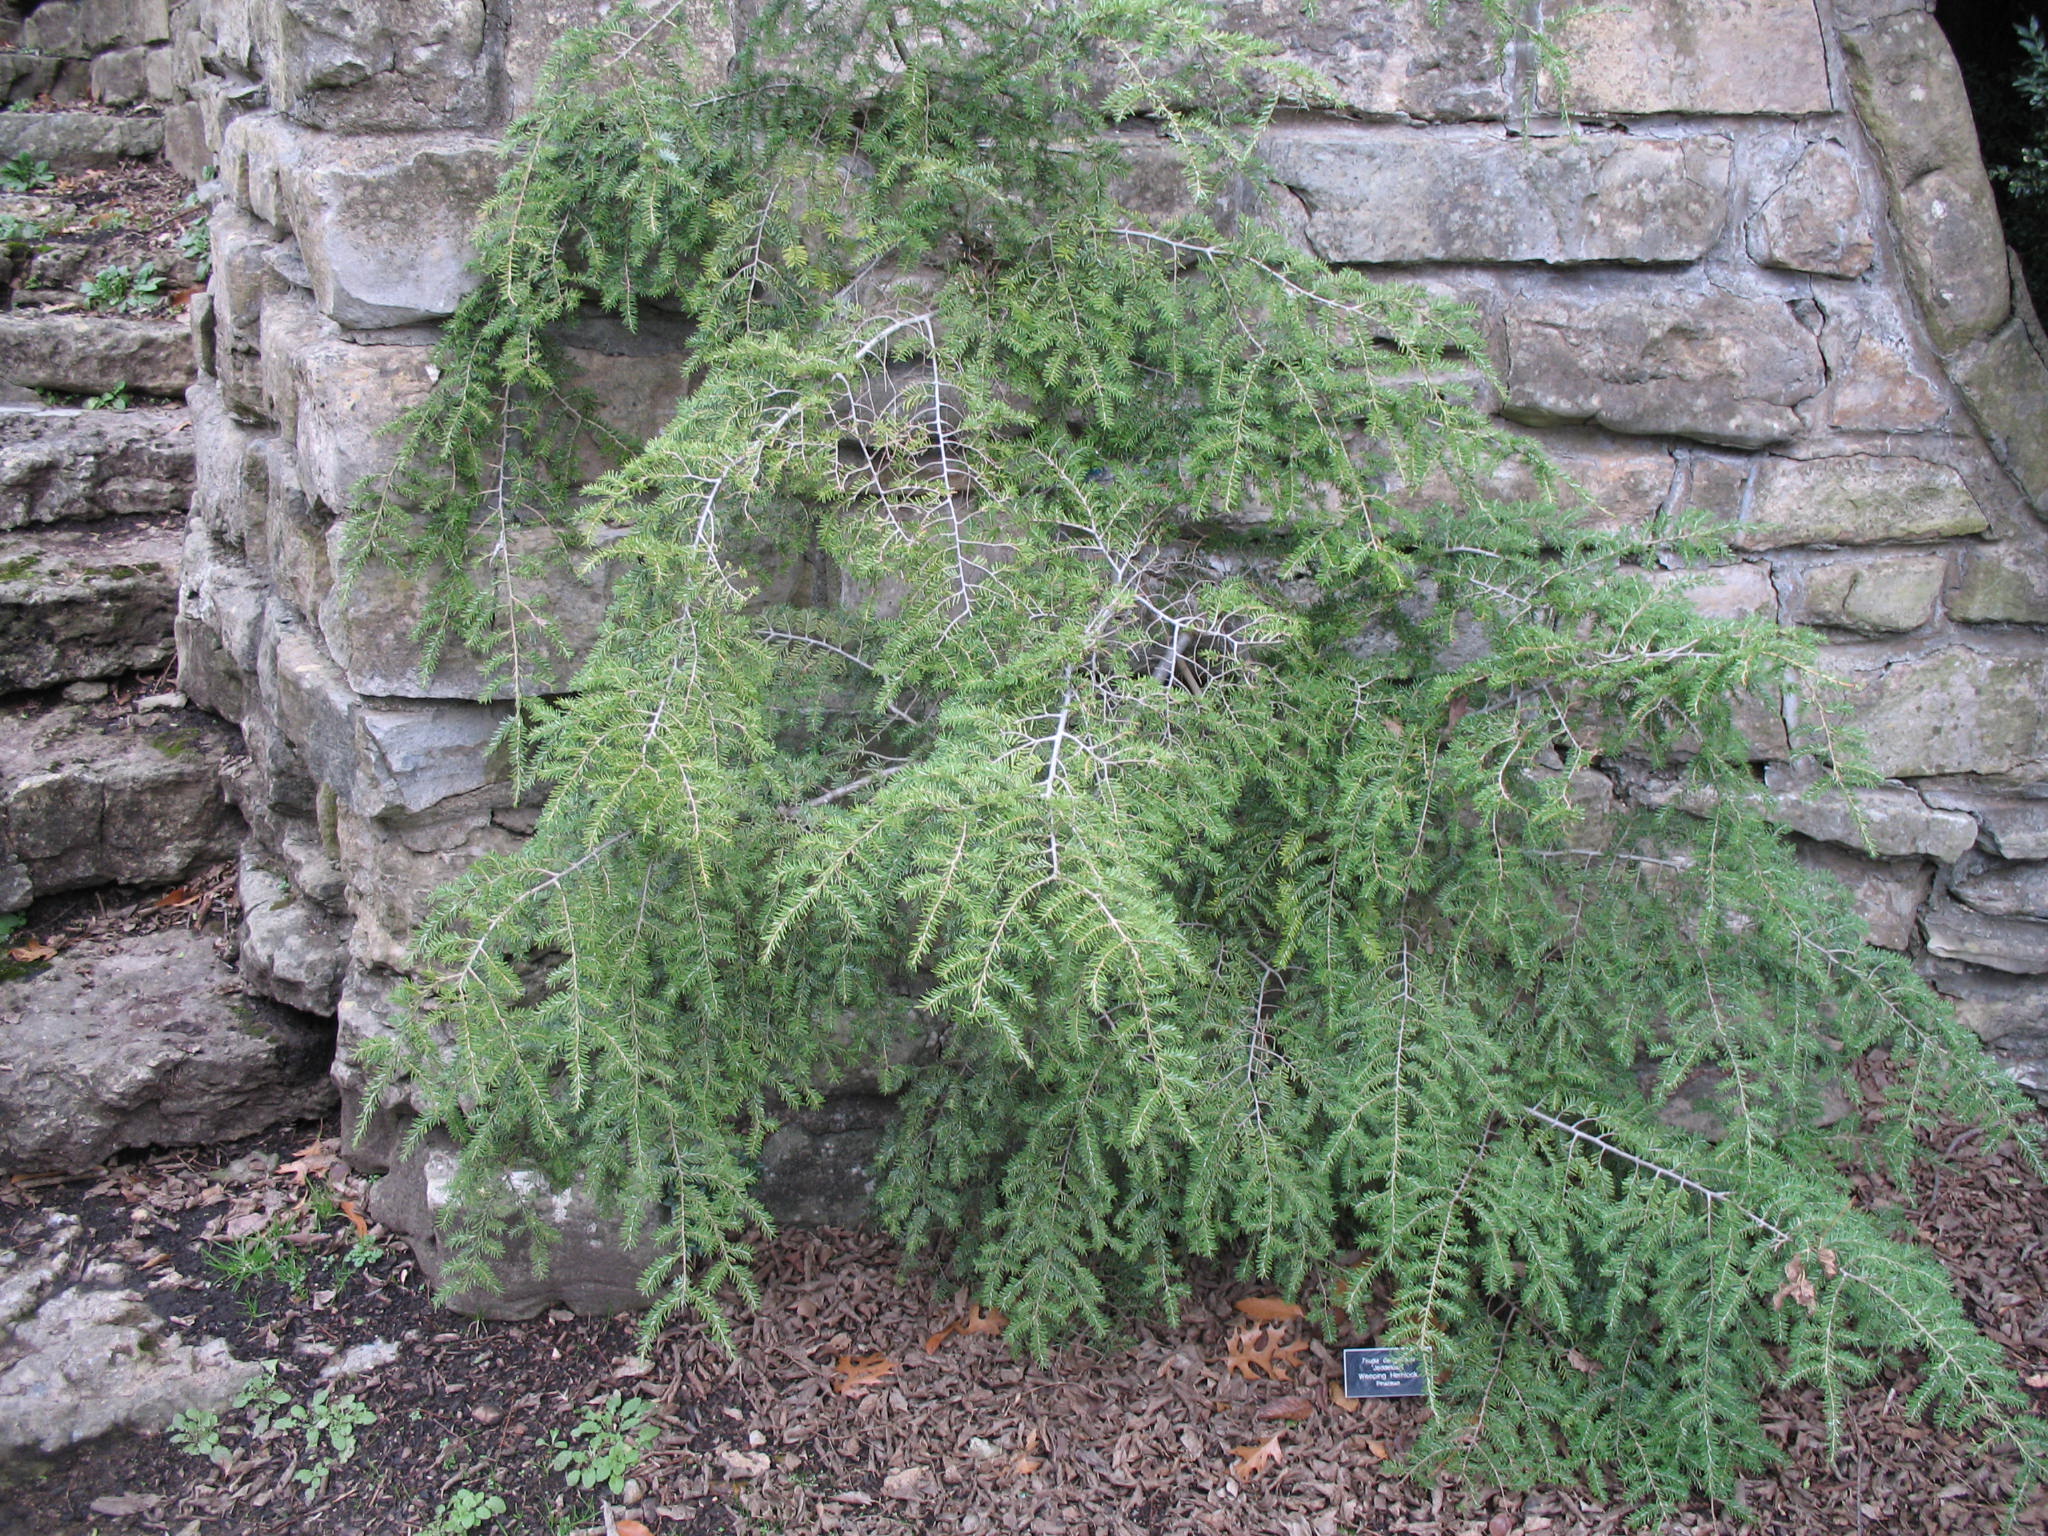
pixel 1382 1373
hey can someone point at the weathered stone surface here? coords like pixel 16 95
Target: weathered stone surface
pixel 83 1360
pixel 1389 58
pixel 220 626
pixel 385 64
pixel 56 27
pixel 589 1270
pixel 1733 56
pixel 2003 583
pixel 67 466
pixel 1885 823
pixel 1950 711
pixel 343 397
pixel 1409 194
pixel 292 950
pixel 182 1058
pixel 2015 824
pixel 1884 389
pixel 1953 710
pixel 124 23
pixel 1883 596
pixel 820 1166
pixel 1888 894
pixel 2008 1013
pixel 2005 380
pixel 121 78
pixel 2014 944
pixel 2005 890
pixel 78 604
pixel 1857 498
pixel 91 797
pixel 91 354
pixel 1815 220
pixel 396 864
pixel 383 222
pixel 73 141
pixel 1648 359
pixel 1910 96
pixel 369 626
pixel 1726 591
pixel 701 31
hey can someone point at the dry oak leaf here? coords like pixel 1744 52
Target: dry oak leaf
pixel 856 1373
pixel 1294 1407
pixel 978 1321
pixel 744 1464
pixel 631 1528
pixel 905 1483
pixel 1268 1309
pixel 1252 1350
pixel 1581 1362
pixel 1254 1459
pixel 31 952
pixel 354 1213
pixel 1339 1401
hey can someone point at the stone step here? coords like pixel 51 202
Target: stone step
pixel 73 141
pixel 147 1041
pixel 87 602
pixel 59 465
pixel 92 354
pixel 99 795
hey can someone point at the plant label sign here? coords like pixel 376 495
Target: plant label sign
pixel 1382 1373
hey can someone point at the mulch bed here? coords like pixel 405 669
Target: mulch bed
pixel 866 1398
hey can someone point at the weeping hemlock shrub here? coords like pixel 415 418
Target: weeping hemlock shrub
pixel 1100 626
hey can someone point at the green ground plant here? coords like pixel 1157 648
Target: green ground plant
pixel 1062 602
pixel 265 1257
pixel 124 289
pixel 25 173
pixel 466 1511
pixel 602 1448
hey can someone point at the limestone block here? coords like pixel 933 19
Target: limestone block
pixel 185 145
pixel 229 473
pixel 415 758
pixel 91 1361
pixel 1885 389
pixel 73 141
pixel 291 328
pixel 589 1268
pixel 369 625
pixel 1407 195
pixel 2014 823
pixel 1955 709
pixel 1879 821
pixel 24 77
pixel 160 80
pixel 295 535
pixel 243 278
pixel 124 23
pixel 121 77
pixel 2005 380
pixel 1874 597
pixel 1389 58
pixel 132 800
pixel 2005 890
pixel 81 603
pixel 1738 591
pixel 2017 945
pixel 185 1059
pixel 1694 56
pixel 1888 893
pixel 57 27
pixel 66 466
pixel 356 66
pixel 2003 583
pixel 820 1166
pixel 2008 1013
pixel 344 397
pixel 1647 358
pixel 219 628
pixel 1910 96
pixel 292 949
pixel 91 354
pixel 394 867
pixel 1815 221
pixel 1857 498
pixel 307 702
pixel 383 221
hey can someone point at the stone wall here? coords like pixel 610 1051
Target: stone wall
pixel 1761 277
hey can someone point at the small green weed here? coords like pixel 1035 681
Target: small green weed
pixel 264 1400
pixel 14 230
pixel 115 399
pixel 196 1432
pixel 125 289
pixel 25 173
pixel 259 1257
pixel 466 1511
pixel 195 243
pixel 332 1420
pixel 607 1443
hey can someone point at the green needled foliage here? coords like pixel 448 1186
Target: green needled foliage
pixel 1094 621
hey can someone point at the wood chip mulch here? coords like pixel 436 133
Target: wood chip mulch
pixel 867 1399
